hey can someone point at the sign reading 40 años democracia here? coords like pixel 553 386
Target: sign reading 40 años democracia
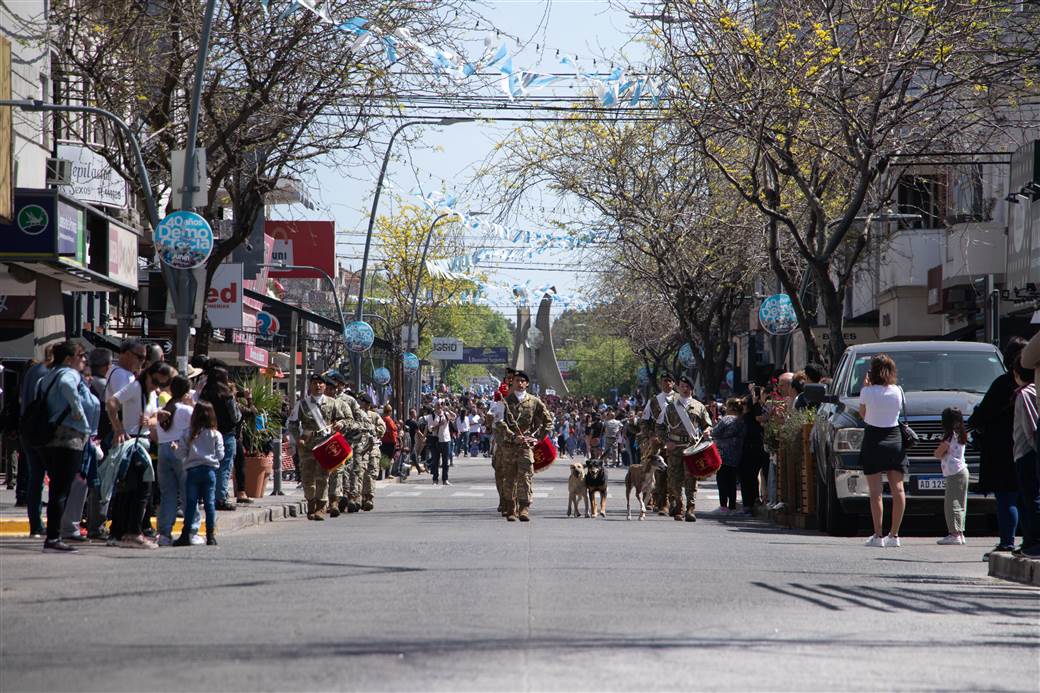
pixel 183 240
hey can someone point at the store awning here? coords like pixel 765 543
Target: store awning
pixel 73 277
pixel 307 315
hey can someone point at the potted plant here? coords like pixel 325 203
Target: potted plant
pixel 260 432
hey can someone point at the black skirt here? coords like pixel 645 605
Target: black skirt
pixel 882 451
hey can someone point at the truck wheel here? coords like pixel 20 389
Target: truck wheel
pixel 838 523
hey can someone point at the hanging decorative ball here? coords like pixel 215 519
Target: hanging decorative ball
pixel 381 376
pixel 410 361
pixel 686 355
pixel 643 375
pixel 535 338
pixel 777 316
pixel 359 336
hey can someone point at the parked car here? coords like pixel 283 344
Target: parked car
pixel 933 375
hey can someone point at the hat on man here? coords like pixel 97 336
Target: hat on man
pixel 194 372
pixel 521 375
pixel 316 377
pixel 667 376
pixel 363 398
pixel 686 380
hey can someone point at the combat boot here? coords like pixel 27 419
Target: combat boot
pixel 352 506
pixel 341 504
pixel 310 510
pixel 333 510
pixel 368 505
pixel 319 510
pixel 690 517
pixel 511 517
pixel 525 515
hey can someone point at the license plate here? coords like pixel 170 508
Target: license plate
pixel 931 483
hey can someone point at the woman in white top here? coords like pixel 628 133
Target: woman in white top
pixel 174 419
pixel 880 402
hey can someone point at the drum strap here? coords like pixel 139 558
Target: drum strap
pixel 684 417
pixel 662 405
pixel 316 415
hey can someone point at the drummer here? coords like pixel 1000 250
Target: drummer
pixel 685 423
pixel 312 419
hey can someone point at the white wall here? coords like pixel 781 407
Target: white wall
pixel 23 23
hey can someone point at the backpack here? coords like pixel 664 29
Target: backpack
pixel 36 425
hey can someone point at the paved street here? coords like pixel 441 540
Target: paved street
pixel 434 592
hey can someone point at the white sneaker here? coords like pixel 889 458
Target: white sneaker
pixel 197 540
pixel 137 542
pixel 892 541
pixel 875 540
pixel 164 541
pixel 951 539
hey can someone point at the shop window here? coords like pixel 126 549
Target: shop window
pixel 925 196
pixel 966 202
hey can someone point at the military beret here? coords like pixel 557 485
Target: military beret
pixel 522 376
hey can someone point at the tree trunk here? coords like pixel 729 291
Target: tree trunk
pixel 833 302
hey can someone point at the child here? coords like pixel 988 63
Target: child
pixel 728 435
pixel 951 452
pixel 202 448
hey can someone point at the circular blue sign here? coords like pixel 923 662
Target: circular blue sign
pixel 381 376
pixel 410 361
pixel 777 316
pixel 359 336
pixel 686 355
pixel 183 240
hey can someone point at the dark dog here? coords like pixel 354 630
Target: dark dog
pixel 596 483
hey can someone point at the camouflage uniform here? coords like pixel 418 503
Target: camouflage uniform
pixel 647 430
pixel 306 430
pixel 673 431
pixel 496 463
pixel 356 426
pixel 531 418
pixel 362 487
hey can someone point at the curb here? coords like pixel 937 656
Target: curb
pixel 1015 569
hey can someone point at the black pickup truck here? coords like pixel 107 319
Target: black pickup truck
pixel 934 375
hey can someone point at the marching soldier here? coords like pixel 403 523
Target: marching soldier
pixel 524 422
pixel 312 419
pixel 362 490
pixel 339 481
pixel 650 443
pixel 494 415
pixel 686 422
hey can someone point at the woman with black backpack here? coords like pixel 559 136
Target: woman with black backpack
pixel 72 417
pixel 218 392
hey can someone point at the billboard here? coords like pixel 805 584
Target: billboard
pixel 224 298
pixel 302 243
pixel 446 349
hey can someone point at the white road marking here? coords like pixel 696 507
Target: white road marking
pixel 398 494
pixel 467 494
pixel 483 488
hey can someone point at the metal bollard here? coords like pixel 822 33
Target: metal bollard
pixel 277 491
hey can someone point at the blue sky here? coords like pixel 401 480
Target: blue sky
pixel 446 158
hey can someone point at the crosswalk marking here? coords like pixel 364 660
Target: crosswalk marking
pixel 467 494
pixel 397 494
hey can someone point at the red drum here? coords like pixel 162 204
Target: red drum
pixel 702 460
pixel 544 454
pixel 333 452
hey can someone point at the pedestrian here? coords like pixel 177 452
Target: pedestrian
pixel 438 438
pixel 525 421
pixel 132 411
pixel 357 429
pixel 955 474
pixel 388 443
pixel 202 448
pixel 174 419
pixel 992 427
pixel 880 403
pixel 34 471
pixel 312 419
pixel 728 434
pixel 611 435
pixel 753 456
pixel 686 422
pixel 247 416
pixel 650 443
pixel 1025 433
pixel 217 392
pixel 100 362
pixel 362 493
pixel 73 411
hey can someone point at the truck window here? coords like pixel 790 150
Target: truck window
pixel 935 371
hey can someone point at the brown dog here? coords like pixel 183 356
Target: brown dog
pixel 576 489
pixel 596 484
pixel 642 478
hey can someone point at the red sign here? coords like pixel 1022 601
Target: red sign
pixel 303 243
pixel 255 355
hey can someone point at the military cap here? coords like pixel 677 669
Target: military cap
pixel 522 376
pixel 685 379
pixel 315 376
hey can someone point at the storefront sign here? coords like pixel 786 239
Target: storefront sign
pixel 267 325
pixel 852 335
pixel 184 240
pixel 255 355
pixel 446 349
pixel 122 256
pixel 71 227
pixel 32 231
pixel 491 355
pixel 224 298
pixel 311 243
pixel 93 180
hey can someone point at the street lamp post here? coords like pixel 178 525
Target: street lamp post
pixel 375 208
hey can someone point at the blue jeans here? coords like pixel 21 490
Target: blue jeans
pixel 171 478
pixel 34 490
pixel 200 482
pixel 1007 516
pixel 1029 508
pixel 226 465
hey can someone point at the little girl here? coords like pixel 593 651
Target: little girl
pixel 955 471
pixel 202 448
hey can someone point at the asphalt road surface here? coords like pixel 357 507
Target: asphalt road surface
pixel 434 591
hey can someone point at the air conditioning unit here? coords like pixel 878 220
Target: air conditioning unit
pixel 59 172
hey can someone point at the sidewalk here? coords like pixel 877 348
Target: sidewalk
pixel 1016 569
pixel 15 523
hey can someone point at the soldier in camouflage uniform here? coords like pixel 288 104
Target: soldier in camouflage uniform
pixel 304 426
pixel 339 480
pixel 494 415
pixel 526 420
pixel 673 431
pixel 650 444
pixel 366 471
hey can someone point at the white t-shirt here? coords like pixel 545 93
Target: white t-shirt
pixel 118 378
pixel 130 399
pixel 883 403
pixel 443 431
pixel 953 461
pixel 181 423
pixel 462 423
pixel 476 423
